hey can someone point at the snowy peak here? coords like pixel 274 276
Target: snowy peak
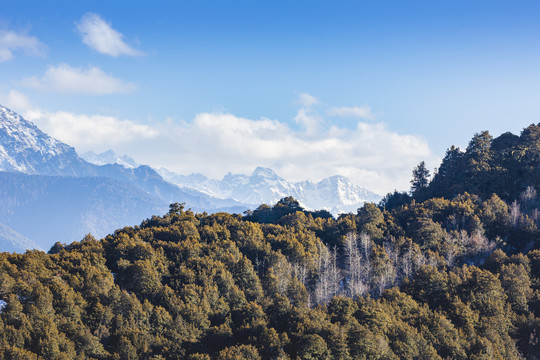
pixel 24 147
pixel 261 174
pixel 23 135
pixel 336 193
pixel 109 157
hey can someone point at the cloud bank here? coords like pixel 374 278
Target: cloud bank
pixel 371 154
pixel 89 131
pixel 100 36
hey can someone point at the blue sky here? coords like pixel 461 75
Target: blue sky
pixel 366 89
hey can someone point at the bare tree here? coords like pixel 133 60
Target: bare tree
pixel 451 250
pixel 282 271
pixel 386 278
pixel 300 271
pixel 365 245
pixel 515 213
pixel 354 271
pixel 407 263
pixel 528 194
pixel 327 284
pixel 391 250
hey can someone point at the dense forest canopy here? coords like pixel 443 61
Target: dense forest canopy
pixel 450 271
pixel 506 166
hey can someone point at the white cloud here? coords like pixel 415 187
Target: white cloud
pixel 362 112
pixel 66 79
pixel 15 101
pixel 89 132
pixel 371 154
pixel 306 116
pixel 215 143
pixel 11 41
pixel 308 119
pixel 306 100
pixel 100 36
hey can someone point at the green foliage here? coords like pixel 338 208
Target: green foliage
pixel 451 276
pixel 420 179
pixel 506 166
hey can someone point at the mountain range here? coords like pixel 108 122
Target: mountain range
pixel 66 196
pixel 336 194
pixel 109 157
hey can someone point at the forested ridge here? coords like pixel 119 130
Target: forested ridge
pixel 448 271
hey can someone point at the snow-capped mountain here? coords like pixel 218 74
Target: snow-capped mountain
pixel 109 157
pixel 336 194
pixel 44 181
pixel 25 148
pixel 45 184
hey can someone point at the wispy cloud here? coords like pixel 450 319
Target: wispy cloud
pixel 66 79
pixel 11 41
pixel 362 112
pixel 100 36
pixel 306 100
pixel 306 116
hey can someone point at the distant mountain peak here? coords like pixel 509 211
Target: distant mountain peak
pixel 336 193
pixel 336 178
pixel 23 133
pixel 262 172
pixel 109 157
pixel 24 147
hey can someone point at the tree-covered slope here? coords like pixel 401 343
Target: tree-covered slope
pixel 222 287
pixel 506 166
pixel 421 277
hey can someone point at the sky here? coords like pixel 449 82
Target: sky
pixel 365 89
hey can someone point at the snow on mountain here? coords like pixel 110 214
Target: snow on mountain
pixel 109 157
pixel 44 181
pixel 25 148
pixel 336 194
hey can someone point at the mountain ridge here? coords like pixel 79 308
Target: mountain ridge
pixel 335 193
pixel 25 148
pixel 41 177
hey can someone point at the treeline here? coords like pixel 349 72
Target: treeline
pixel 506 166
pixel 454 277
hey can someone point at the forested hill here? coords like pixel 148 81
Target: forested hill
pixel 433 278
pixel 506 166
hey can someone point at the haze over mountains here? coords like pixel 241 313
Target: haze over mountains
pixel 67 196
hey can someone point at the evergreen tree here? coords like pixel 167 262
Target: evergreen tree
pixel 420 178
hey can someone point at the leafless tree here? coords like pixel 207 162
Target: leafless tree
pixel 354 272
pixel 327 284
pixel 515 213
pixel 407 263
pixel 528 194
